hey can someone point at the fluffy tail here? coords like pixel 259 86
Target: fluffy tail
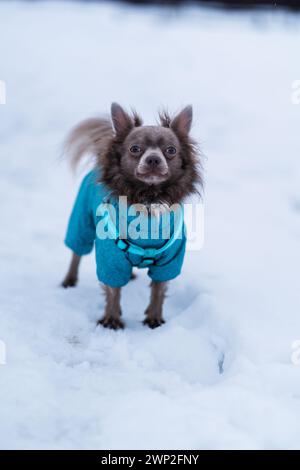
pixel 92 136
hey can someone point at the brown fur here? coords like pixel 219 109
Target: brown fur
pixel 71 277
pixel 112 314
pixel 154 311
pixel 92 136
pixel 96 136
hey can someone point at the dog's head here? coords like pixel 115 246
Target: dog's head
pixel 151 164
pixel 148 164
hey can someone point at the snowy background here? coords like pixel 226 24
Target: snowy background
pixel 219 374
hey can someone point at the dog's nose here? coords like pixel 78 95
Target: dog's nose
pixel 153 161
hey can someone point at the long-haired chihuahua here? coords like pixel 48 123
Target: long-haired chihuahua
pixel 130 206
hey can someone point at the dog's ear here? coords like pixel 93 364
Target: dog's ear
pixel 122 122
pixel 182 122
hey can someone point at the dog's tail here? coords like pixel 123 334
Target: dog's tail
pixel 92 136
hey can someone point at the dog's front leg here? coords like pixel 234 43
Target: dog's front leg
pixel 112 314
pixel 71 277
pixel 154 310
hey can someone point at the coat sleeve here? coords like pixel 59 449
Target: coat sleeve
pixel 113 267
pixel 80 235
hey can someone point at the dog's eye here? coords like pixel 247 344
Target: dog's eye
pixel 171 151
pixel 135 149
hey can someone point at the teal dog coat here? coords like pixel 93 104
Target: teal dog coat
pixel 124 239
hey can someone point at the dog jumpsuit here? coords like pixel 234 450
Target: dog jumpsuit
pixel 114 264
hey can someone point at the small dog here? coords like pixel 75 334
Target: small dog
pixel 155 167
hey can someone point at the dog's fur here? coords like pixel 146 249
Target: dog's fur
pixel 138 162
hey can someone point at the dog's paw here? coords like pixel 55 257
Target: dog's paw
pixel 112 323
pixel 69 282
pixel 153 322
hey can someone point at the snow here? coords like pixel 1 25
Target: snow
pixel 219 374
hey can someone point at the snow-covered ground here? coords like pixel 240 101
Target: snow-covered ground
pixel 219 374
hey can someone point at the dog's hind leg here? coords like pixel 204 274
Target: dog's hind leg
pixel 71 277
pixel 112 314
pixel 154 311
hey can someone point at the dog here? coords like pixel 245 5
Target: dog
pixel 154 168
